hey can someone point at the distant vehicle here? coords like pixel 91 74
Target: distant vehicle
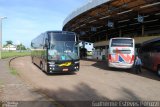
pixel 150 55
pixel 121 52
pixel 55 52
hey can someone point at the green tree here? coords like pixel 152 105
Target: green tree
pixel 8 44
pixel 21 47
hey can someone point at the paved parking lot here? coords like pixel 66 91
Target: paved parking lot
pixel 94 81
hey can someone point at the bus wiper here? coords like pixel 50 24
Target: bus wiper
pixel 70 57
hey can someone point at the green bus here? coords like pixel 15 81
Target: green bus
pixel 56 52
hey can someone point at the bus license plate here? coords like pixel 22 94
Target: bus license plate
pixel 65 70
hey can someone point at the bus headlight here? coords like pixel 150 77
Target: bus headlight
pixel 76 67
pixel 52 63
pixel 76 62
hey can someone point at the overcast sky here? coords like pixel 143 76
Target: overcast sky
pixel 28 18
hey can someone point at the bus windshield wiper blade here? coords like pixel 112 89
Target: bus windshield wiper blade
pixel 70 57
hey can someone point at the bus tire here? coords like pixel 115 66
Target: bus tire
pixel 41 66
pixel 44 67
pixel 158 70
pixel 32 60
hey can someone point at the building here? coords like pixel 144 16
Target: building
pixel 100 20
pixel 10 47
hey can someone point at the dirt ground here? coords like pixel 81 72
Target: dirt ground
pixel 14 92
pixel 93 82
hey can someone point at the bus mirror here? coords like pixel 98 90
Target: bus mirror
pixel 46 43
pixel 77 42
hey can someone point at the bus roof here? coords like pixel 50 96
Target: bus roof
pixel 61 32
pixel 150 41
pixel 121 38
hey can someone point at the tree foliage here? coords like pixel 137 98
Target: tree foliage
pixel 8 43
pixel 21 47
pixel 18 47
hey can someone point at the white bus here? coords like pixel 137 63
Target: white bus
pixel 121 52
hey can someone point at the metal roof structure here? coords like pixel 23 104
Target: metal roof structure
pixel 84 8
pixel 151 40
pixel 102 19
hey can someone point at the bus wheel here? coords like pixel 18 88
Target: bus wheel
pixel 32 60
pixel 41 66
pixel 44 67
pixel 158 71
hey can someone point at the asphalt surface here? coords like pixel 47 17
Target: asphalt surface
pixel 94 82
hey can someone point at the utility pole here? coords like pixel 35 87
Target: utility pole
pixel 1 18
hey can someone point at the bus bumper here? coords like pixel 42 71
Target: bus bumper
pixel 67 69
pixel 120 65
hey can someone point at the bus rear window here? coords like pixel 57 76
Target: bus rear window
pixel 122 42
pixel 122 51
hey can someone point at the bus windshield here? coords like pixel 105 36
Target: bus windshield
pixel 62 46
pixel 63 50
pixel 122 42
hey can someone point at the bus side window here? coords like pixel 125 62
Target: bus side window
pixel 156 46
pixel 158 49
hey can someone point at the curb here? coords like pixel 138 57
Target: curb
pixel 11 60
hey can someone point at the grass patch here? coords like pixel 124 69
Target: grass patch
pixel 13 71
pixel 10 54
